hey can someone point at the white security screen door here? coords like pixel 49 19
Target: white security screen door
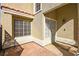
pixel 50 29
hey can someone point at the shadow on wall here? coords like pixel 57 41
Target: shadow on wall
pixel 51 28
pixel 67 21
pixel 66 28
pixel 11 46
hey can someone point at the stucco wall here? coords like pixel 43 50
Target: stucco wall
pixel 50 6
pixel 6 20
pixel 37 26
pixel 51 15
pixel 27 7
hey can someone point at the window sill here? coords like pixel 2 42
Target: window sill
pixel 22 36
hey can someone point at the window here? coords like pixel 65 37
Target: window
pixel 37 7
pixel 22 28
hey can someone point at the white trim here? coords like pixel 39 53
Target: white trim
pixel 22 36
pixel 17 13
pixel 25 39
pixel 44 27
pixel 50 18
pixel 33 8
pixel 54 8
pixel 65 40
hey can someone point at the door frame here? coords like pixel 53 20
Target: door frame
pixel 45 25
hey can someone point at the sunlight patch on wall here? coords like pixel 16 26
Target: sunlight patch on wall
pixel 66 31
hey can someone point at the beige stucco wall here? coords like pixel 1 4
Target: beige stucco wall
pixel 46 7
pixel 51 15
pixel 6 20
pixel 37 26
pixel 27 7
